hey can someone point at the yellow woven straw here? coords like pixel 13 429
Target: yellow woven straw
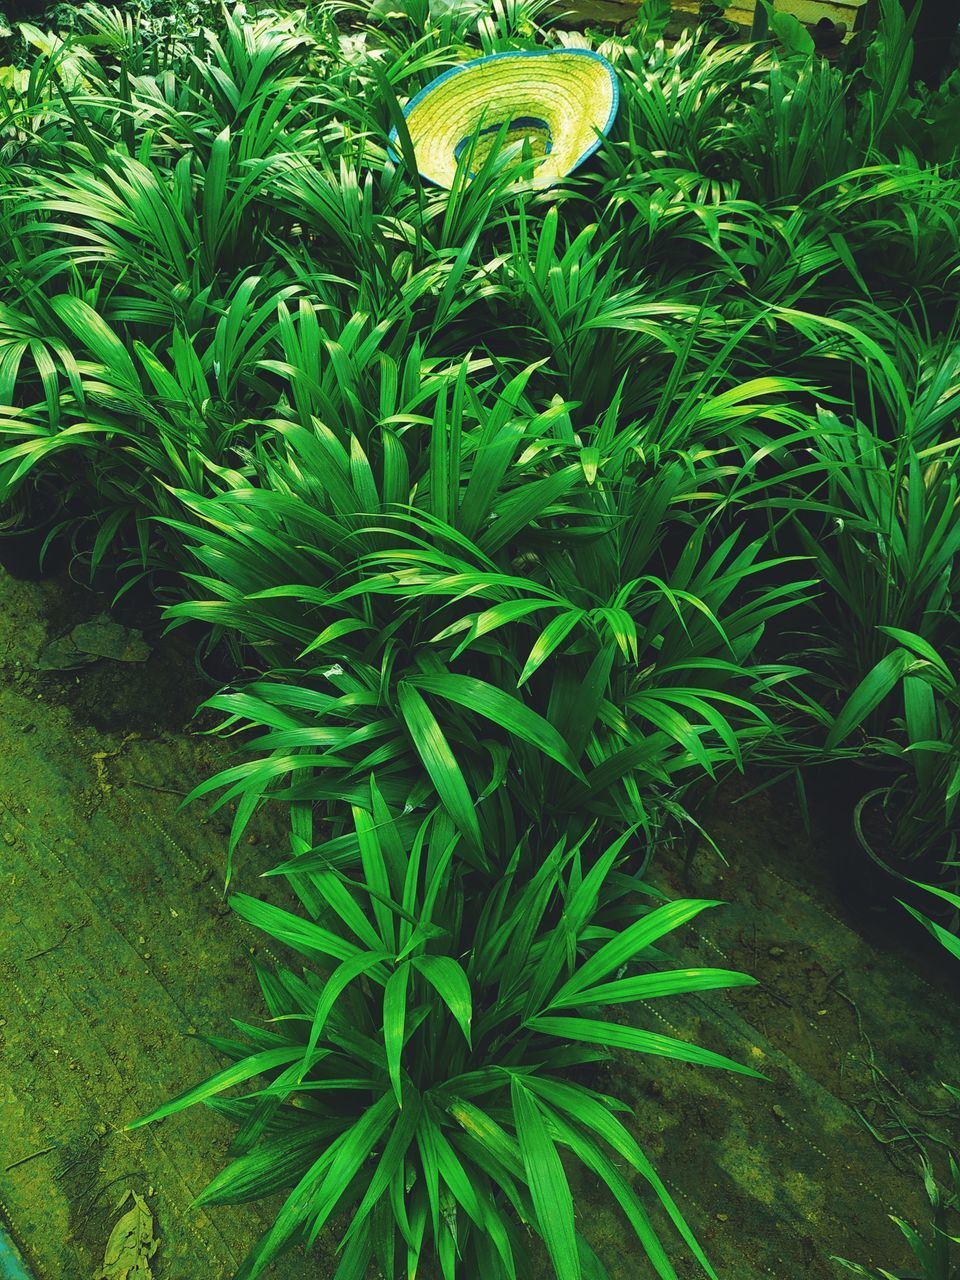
pixel 559 101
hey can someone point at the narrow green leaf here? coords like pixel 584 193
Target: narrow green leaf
pixel 590 1031
pixel 439 762
pixel 451 984
pixel 868 695
pixel 255 1065
pixel 394 1024
pixel 628 944
pixel 650 986
pixel 549 1190
pixel 508 712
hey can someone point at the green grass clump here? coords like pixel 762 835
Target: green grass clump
pixel 523 517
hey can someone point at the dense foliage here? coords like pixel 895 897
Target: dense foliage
pixel 524 517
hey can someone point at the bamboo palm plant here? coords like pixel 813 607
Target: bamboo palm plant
pixel 505 506
pixel 419 1066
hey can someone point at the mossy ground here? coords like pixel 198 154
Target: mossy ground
pixel 116 943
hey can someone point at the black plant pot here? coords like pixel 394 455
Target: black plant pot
pixel 833 792
pixel 23 533
pixel 845 792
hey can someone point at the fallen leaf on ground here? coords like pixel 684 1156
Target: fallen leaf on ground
pixel 87 642
pixel 131 1244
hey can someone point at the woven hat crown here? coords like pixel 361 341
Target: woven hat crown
pixel 559 102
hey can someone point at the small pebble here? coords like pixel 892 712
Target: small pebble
pixel 776 952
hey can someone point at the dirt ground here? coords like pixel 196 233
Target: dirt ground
pixel 115 945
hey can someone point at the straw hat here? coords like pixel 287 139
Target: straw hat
pixel 560 101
